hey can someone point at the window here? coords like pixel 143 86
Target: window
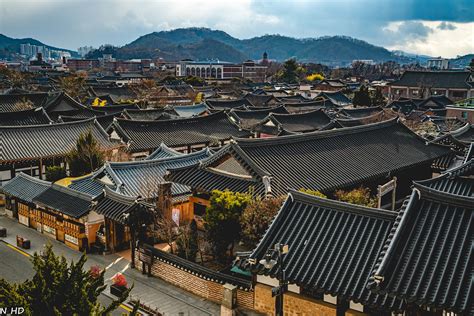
pixel 464 115
pixel 458 94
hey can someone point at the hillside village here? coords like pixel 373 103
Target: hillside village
pixel 339 191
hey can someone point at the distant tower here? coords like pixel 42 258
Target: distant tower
pixel 265 59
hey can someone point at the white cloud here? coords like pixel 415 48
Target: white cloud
pixel 458 39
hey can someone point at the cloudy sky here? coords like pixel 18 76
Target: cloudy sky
pixel 431 27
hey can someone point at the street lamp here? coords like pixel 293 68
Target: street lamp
pixel 268 262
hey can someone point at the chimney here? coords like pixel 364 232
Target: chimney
pixel 164 202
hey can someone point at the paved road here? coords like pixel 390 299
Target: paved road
pixel 168 299
pixel 15 266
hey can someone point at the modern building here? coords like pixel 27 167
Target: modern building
pixel 222 70
pixel 438 63
pixel 456 85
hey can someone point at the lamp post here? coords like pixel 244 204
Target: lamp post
pixel 268 262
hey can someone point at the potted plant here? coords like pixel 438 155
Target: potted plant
pixel 119 285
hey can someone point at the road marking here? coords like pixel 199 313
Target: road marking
pixel 115 262
pixel 128 309
pixel 18 250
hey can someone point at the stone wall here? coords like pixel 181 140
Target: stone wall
pixel 294 304
pixel 210 290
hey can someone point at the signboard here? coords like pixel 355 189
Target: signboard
pixel 390 186
pixel 175 215
pixel 23 220
pixel 49 230
pixel 71 239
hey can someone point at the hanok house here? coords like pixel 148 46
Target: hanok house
pixel 64 214
pixel 456 85
pixel 114 234
pixel 248 119
pixel 185 135
pixel 30 149
pixel 19 194
pixel 145 180
pixel 283 124
pixel 61 103
pixel 325 161
pixel 35 116
pixel 332 250
pixel 10 102
pixel 427 260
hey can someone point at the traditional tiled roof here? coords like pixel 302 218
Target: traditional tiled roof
pixel 300 107
pixel 117 94
pixel 64 200
pixel 248 119
pixel 36 116
pixel 163 152
pixel 293 99
pixel 8 102
pixel 333 247
pixel 403 106
pixel 427 259
pixel 373 118
pixel 260 100
pixel 103 120
pixel 191 110
pixel 148 135
pixel 361 112
pixel 114 205
pixel 435 102
pixel 445 124
pixel 205 180
pixel 434 79
pixel 296 123
pixel 62 104
pixel 150 114
pixel 218 104
pixel 141 178
pixel 44 141
pixel 327 160
pixel 25 187
pixel 116 108
pixel 336 97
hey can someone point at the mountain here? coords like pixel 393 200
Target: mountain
pixel 203 43
pixel 461 61
pixel 10 46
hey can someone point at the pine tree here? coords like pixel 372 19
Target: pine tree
pixel 289 74
pixel 59 288
pixel 86 156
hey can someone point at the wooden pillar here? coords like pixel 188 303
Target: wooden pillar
pixel 342 306
pixel 41 168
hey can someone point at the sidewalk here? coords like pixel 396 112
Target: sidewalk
pixel 166 298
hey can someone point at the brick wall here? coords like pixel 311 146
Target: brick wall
pixel 207 289
pixel 294 304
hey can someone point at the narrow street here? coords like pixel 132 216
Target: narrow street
pixel 169 300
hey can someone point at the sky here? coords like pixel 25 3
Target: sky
pixel 428 27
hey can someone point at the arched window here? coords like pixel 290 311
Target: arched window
pixel 219 73
pixel 193 71
pixel 188 71
pixel 213 72
pixel 208 72
pixel 198 72
pixel 203 72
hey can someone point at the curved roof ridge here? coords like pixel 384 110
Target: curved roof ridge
pixel 159 160
pixel 52 125
pixel 33 179
pixel 316 134
pixel 259 110
pixel 173 121
pixel 116 195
